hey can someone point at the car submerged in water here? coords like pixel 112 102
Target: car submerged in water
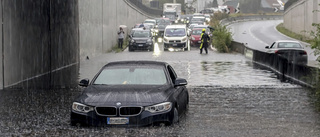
pixel 131 93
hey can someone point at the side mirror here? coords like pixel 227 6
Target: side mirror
pixel 267 47
pixel 84 82
pixel 180 82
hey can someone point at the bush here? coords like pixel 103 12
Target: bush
pixel 221 39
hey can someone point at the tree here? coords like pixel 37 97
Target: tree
pixel 215 3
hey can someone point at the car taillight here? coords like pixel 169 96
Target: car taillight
pixel 276 52
pixel 303 53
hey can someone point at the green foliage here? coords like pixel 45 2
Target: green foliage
pixel 315 42
pixel 215 19
pixel 291 34
pixel 221 38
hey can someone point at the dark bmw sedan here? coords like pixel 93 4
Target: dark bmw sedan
pixel 131 93
pixel 141 40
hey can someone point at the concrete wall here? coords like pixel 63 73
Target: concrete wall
pixel 300 16
pixel 100 21
pixel 1 46
pixel 40 42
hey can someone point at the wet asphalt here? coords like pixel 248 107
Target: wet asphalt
pixel 229 96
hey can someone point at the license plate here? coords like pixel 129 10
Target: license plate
pixel 140 45
pixel 199 41
pixel 117 121
pixel 174 44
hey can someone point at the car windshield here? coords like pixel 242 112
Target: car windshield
pixel 196 32
pixel 289 45
pixel 148 21
pixel 132 76
pixel 141 34
pixel 174 32
pixel 197 19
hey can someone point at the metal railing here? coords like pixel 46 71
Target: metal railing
pixel 302 74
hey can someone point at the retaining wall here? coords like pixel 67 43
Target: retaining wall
pixel 299 16
pixel 40 43
pixel 100 21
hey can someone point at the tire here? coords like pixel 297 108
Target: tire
pixel 175 116
pixel 130 49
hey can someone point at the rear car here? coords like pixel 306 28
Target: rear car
pixel 293 51
pixel 141 39
pixel 175 37
pixel 195 37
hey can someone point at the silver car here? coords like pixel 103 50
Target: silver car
pixel 293 51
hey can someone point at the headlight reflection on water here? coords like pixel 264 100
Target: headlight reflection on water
pixel 156 50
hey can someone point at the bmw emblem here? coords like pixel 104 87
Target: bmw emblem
pixel 118 104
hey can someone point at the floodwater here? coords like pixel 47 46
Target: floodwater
pixel 227 98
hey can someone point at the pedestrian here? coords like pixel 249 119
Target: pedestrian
pixel 204 41
pixel 120 37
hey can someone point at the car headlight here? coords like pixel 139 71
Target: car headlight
pixel 184 39
pixel 149 41
pixel 193 38
pixel 159 107
pixel 165 40
pixel 132 41
pixel 81 107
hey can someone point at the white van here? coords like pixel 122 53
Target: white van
pixel 175 36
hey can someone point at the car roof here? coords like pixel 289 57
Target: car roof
pixel 140 62
pixel 287 41
pixel 197 28
pixel 176 26
pixel 150 20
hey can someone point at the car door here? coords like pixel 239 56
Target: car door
pixel 180 91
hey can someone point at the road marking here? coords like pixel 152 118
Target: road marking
pixel 256 37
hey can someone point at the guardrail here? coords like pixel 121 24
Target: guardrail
pixel 147 10
pixel 231 20
pixel 298 73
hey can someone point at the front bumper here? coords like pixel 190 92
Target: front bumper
pixel 175 45
pixel 141 46
pixel 195 43
pixel 143 119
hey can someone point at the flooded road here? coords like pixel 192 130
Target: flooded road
pixel 229 96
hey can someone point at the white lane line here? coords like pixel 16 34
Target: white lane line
pixel 250 32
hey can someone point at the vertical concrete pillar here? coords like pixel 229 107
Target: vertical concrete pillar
pixel 1 48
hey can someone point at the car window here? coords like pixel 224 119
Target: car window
pixel 132 75
pixel 175 32
pixel 173 75
pixel 272 46
pixel 141 34
pixel 289 45
pixel 196 32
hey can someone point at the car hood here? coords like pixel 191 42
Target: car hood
pixel 141 39
pixel 102 95
pixel 197 37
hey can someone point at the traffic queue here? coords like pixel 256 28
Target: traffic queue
pixel 179 34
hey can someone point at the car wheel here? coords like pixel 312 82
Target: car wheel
pixel 130 48
pixel 175 116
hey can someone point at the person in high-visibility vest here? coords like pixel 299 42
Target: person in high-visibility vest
pixel 204 41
